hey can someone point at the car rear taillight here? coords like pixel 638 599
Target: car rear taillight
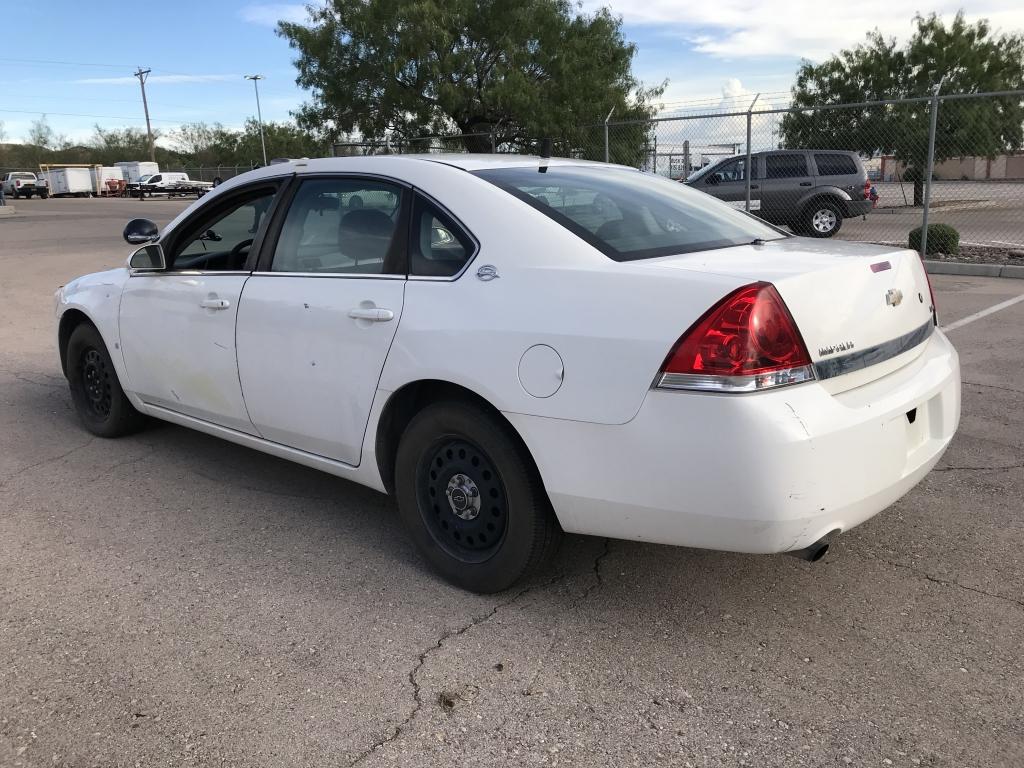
pixel 867 188
pixel 745 343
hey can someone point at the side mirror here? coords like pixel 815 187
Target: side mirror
pixel 139 231
pixel 149 258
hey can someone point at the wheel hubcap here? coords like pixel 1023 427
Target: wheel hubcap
pixel 824 220
pixel 462 499
pixel 96 383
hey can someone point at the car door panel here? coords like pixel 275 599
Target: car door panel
pixel 309 370
pixel 178 342
pixel 317 319
pixel 177 327
pixel 787 182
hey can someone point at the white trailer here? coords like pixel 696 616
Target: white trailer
pixel 69 181
pixel 134 170
pixel 102 174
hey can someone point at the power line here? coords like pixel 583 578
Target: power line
pixel 80 114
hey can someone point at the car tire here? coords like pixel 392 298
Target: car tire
pixel 471 498
pixel 99 400
pixel 822 218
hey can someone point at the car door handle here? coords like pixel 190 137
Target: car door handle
pixel 373 314
pixel 805 183
pixel 754 186
pixel 214 303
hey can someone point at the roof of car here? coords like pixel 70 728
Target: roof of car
pixel 466 161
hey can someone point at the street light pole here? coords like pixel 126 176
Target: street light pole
pixel 259 114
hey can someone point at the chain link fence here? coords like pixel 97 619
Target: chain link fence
pixel 871 171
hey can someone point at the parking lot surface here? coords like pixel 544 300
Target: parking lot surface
pixel 170 599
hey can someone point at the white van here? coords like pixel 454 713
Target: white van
pixel 165 179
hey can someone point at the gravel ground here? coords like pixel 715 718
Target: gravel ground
pixel 975 254
pixel 172 600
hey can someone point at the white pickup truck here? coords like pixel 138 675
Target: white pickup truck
pixel 23 184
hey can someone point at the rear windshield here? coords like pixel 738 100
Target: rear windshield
pixel 630 215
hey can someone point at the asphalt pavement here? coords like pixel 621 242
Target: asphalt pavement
pixel 170 599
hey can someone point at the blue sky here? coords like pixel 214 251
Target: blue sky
pixel 83 54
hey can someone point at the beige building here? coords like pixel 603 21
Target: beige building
pixel 963 168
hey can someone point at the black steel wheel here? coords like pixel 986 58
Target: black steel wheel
pixel 101 404
pixel 471 498
pixel 96 383
pixel 462 499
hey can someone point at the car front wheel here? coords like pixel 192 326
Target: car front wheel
pixel 471 499
pixel 822 219
pixel 100 402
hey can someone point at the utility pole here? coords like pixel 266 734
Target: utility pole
pixel 259 115
pixel 142 74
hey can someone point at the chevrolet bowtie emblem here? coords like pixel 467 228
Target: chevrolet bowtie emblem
pixel 893 297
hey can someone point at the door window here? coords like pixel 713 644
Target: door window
pixel 439 247
pixel 785 166
pixel 222 242
pixel 342 226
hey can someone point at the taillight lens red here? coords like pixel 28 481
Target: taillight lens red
pixel 748 341
pixel 867 189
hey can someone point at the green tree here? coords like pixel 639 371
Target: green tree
pixel 970 57
pixel 517 69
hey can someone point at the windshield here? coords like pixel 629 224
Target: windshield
pixel 630 215
pixel 144 179
pixel 702 171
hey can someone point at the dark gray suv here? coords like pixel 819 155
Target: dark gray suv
pixel 809 190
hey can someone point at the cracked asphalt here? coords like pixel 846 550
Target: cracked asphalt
pixel 172 600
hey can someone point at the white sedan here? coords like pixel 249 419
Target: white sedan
pixel 515 347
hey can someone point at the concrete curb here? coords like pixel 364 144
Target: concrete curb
pixel 975 270
pixel 8 210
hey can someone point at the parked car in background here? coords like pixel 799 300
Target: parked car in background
pixel 19 184
pixel 42 186
pixel 810 191
pixel 173 183
pixel 514 347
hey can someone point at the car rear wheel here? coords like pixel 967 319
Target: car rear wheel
pixel 100 402
pixel 471 499
pixel 822 219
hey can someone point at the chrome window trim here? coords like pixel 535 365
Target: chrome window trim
pixel 856 361
pixel 348 275
pixel 186 272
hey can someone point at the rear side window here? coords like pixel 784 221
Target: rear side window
pixel 341 226
pixel 785 166
pixel 630 215
pixel 835 165
pixel 438 247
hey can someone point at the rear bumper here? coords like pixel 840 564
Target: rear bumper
pixel 858 208
pixel 766 472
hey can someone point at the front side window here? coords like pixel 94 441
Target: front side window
pixel 439 247
pixel 785 166
pixel 222 242
pixel 342 226
pixel 627 214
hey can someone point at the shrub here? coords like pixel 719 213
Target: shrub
pixel 942 238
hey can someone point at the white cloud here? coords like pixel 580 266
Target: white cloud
pixel 158 79
pixel 735 29
pixel 268 14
